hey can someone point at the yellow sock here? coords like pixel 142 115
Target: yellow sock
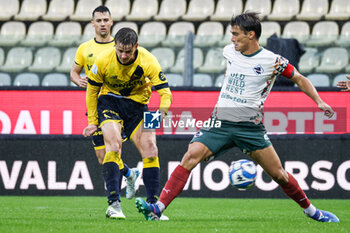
pixel 150 162
pixel 115 157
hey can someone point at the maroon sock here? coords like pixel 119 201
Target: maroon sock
pixel 174 185
pixel 293 190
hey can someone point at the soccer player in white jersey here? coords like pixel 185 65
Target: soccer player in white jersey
pixel 250 73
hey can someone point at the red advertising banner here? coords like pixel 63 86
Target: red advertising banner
pixel 64 112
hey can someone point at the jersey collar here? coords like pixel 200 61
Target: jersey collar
pixel 253 54
pixel 103 42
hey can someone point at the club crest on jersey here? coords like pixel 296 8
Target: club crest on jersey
pixel 258 69
pixel 198 134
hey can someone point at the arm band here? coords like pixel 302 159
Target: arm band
pixel 92 82
pixel 288 71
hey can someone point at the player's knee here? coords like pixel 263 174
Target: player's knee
pixel 113 144
pixel 112 138
pixel 113 147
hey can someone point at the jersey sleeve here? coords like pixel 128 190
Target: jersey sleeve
pixel 79 58
pixel 165 99
pixel 91 103
pixel 96 73
pixel 282 67
pixel 95 82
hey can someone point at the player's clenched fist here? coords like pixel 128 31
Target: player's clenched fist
pixel 89 130
pixel 328 111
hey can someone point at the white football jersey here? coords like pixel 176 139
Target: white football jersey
pixel 247 83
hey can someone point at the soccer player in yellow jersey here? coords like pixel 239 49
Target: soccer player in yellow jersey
pixel 119 88
pixel 85 57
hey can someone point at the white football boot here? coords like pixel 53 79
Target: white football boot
pixel 130 183
pixel 114 211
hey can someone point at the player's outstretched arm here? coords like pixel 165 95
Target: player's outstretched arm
pixel 306 86
pixel 344 85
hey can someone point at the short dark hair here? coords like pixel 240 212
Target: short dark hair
pixel 101 9
pixel 126 36
pixel 248 21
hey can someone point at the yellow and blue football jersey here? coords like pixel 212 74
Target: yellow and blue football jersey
pixel 132 81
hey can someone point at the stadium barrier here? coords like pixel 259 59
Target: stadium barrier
pixel 66 165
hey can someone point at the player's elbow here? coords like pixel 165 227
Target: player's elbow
pixel 72 75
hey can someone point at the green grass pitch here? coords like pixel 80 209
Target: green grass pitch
pixel 87 214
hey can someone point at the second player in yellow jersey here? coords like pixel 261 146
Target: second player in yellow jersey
pixel 117 94
pixel 85 58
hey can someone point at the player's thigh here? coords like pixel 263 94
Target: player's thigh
pixel 196 153
pixel 145 142
pixel 112 135
pixel 217 140
pixel 110 122
pixel 268 159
